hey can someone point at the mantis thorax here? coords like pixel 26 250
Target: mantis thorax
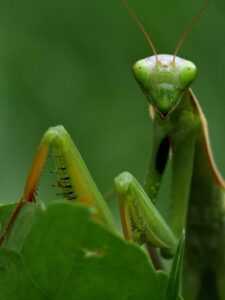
pixel 164 79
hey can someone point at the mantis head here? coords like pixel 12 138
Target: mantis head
pixel 164 80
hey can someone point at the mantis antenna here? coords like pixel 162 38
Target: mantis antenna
pixel 134 16
pixel 190 27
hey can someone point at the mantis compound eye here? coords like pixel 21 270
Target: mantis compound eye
pixel 142 73
pixel 187 74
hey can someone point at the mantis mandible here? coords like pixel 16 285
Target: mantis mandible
pixel 197 190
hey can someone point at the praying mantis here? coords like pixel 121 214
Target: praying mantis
pixel 197 200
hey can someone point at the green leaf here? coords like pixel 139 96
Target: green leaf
pixel 58 252
pixel 174 282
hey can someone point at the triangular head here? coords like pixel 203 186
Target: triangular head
pixel 164 80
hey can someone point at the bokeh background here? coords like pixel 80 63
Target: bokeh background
pixel 69 62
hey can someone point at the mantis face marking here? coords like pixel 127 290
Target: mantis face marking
pixel 164 80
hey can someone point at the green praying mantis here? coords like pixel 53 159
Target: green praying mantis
pixel 197 189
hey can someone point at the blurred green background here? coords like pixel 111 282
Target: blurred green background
pixel 69 62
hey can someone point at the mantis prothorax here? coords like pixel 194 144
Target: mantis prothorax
pixel 197 191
